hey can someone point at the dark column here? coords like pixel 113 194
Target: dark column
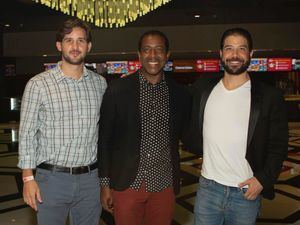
pixel 1 63
pixel 2 90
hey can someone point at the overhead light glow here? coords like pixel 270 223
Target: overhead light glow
pixel 105 13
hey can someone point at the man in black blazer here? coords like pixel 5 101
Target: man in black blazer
pixel 241 126
pixel 142 118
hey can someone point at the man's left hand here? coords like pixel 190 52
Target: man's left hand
pixel 254 188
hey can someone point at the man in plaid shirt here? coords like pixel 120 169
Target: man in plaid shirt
pixel 59 134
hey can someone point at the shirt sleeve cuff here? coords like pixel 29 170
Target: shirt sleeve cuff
pixel 26 162
pixel 104 181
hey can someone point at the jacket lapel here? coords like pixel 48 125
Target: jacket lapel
pixel 172 101
pixel 134 99
pixel 254 110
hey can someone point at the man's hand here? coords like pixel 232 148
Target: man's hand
pixel 126 74
pixel 31 193
pixel 254 188
pixel 107 199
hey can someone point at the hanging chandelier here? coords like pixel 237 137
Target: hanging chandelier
pixel 105 13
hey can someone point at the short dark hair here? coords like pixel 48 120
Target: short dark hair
pixel 237 31
pixel 67 27
pixel 154 33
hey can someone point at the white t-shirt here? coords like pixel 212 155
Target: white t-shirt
pixel 225 130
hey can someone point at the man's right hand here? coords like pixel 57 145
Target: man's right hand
pixel 31 194
pixel 107 199
pixel 126 74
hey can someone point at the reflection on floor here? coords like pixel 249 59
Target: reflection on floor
pixel 284 209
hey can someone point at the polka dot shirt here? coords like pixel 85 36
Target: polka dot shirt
pixel 155 167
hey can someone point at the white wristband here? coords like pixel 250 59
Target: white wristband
pixel 29 178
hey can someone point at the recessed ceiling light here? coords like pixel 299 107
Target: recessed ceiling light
pixel 197 16
pixel 123 53
pixel 7 25
pixel 45 55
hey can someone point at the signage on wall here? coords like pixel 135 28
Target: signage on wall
pixel 258 64
pixel 117 67
pixel 133 66
pixel 279 64
pixel 208 65
pixel 184 66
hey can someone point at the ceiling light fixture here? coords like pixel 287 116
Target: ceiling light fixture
pixel 105 13
pixel 7 25
pixel 197 16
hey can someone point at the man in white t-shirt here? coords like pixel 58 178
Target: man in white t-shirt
pixel 241 126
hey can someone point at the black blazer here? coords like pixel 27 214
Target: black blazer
pixel 267 140
pixel 120 130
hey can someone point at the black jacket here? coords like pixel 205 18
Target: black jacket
pixel 120 130
pixel 267 140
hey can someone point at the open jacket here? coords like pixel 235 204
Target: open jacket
pixel 267 140
pixel 120 130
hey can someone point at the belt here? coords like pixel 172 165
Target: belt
pixel 70 170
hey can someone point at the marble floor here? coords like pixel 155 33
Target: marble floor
pixel 283 210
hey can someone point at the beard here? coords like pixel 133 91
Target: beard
pixel 236 70
pixel 76 61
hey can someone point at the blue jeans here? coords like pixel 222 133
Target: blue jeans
pixel 65 194
pixel 217 204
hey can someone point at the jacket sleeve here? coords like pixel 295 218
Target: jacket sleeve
pixel 106 133
pixel 191 138
pixel 277 143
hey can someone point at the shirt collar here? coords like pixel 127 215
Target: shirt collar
pixel 146 83
pixel 59 75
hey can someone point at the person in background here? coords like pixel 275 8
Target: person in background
pixel 59 134
pixel 241 126
pixel 142 119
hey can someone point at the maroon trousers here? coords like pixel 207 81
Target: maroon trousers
pixel 132 207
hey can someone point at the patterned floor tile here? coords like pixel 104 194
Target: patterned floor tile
pixel 283 210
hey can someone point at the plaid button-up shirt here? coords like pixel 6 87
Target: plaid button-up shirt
pixel 59 119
